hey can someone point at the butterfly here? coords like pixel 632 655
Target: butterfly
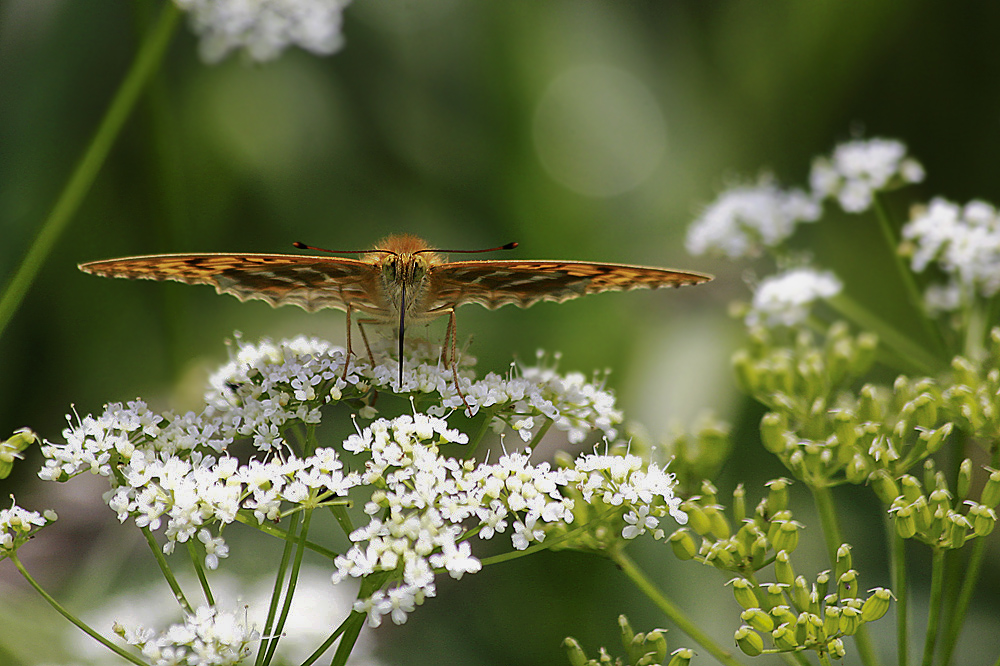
pixel 400 282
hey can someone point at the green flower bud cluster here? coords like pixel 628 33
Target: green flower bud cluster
pixel 971 397
pixel 826 435
pixel 799 616
pixel 803 379
pixel 10 449
pixel 930 512
pixel 746 544
pixel 641 649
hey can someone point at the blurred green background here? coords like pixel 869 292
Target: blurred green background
pixel 582 129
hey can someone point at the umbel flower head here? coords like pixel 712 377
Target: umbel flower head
pixel 180 473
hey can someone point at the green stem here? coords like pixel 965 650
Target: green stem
pixel 910 355
pixel 906 275
pixel 833 539
pixel 934 605
pixel 121 652
pixel 267 634
pixel 541 433
pixel 898 570
pixel 147 61
pixel 200 572
pixel 161 561
pixel 954 628
pixel 279 627
pixel 669 608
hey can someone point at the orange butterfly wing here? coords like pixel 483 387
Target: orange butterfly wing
pixel 524 283
pixel 309 282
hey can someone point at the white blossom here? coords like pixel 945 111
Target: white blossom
pixel 17 525
pixel 743 220
pixel 784 299
pixel 962 241
pixel 208 637
pixel 265 28
pixel 859 169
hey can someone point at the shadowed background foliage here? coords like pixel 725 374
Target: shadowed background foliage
pixel 581 129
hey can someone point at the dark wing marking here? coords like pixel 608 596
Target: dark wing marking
pixel 309 282
pixel 523 283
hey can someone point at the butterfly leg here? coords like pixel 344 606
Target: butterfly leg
pixel 347 359
pixel 451 335
pixel 364 336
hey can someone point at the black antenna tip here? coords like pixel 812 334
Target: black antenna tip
pixel 508 246
pixel 301 246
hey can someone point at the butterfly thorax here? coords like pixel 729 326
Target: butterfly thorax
pixel 404 275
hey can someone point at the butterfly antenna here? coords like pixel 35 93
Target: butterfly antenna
pixel 508 246
pixel 303 246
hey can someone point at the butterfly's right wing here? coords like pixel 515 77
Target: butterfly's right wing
pixel 309 282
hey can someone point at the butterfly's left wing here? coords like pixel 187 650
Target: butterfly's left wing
pixel 523 283
pixel 279 279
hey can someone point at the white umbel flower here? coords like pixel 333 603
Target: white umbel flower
pixel 265 28
pixel 743 220
pixel 784 299
pixel 858 169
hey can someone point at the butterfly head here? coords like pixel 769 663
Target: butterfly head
pixel 404 263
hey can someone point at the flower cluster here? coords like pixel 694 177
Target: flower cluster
pixel 17 525
pixel 426 506
pixel 207 636
pixel 859 169
pixel 265 28
pixel 784 299
pixel 177 472
pixel 963 242
pixel 745 219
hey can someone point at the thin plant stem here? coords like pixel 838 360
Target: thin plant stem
pixel 355 622
pixel 934 605
pixel 121 652
pixel 266 635
pixel 669 608
pixel 168 574
pixel 200 572
pixel 906 275
pixel 290 588
pixel 898 571
pixel 146 63
pixel 911 355
pixel 833 538
pixel 957 619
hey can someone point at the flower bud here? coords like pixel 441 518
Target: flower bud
pixel 625 629
pixel 783 615
pixel 739 504
pixel 939 500
pixel 903 519
pixel 656 643
pixel 743 591
pixel 774 432
pixel 869 408
pixel 847 585
pixel 935 438
pixel 885 487
pixel 984 519
pixel 850 620
pixel 718 525
pixel 777 496
pixel 683 656
pixel 964 480
pixel 784 637
pixel 774 594
pixel 10 449
pixel 876 605
pixel 787 536
pixel 783 568
pixel 697 519
pixel 836 649
pixel 857 469
pixel 822 583
pixel 930 476
pixel 991 491
pixel 749 641
pixel 757 619
pixel 758 550
pixel 683 544
pixel 844 560
pixel 865 347
pixel 574 653
pixel 831 620
pixel 800 593
pixel 958 529
pixel 910 487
